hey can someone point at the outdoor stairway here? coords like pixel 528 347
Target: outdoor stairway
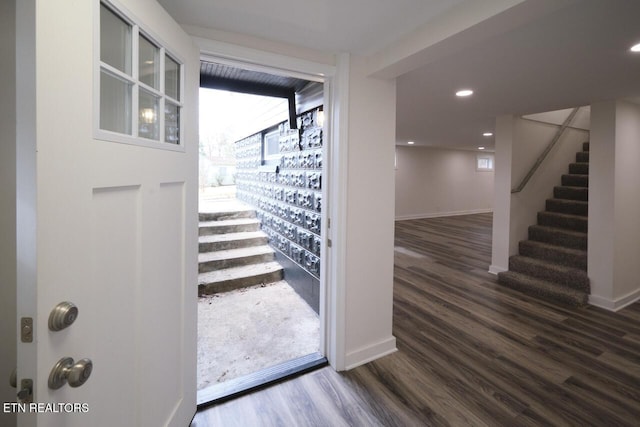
pixel 552 264
pixel 234 253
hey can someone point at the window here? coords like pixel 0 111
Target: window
pixel 484 162
pixel 139 85
pixel 271 147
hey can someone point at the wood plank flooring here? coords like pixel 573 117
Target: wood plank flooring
pixel 470 353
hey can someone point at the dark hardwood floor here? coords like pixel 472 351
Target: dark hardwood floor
pixel 470 353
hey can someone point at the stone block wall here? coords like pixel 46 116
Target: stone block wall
pixel 287 195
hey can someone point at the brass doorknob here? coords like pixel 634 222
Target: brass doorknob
pixel 68 371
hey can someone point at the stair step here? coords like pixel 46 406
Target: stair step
pixel 219 242
pixel 568 257
pixel 585 146
pixel 542 289
pixel 558 237
pixel 572 207
pixel 221 216
pixel 576 180
pixel 210 261
pixel 579 168
pixel 229 279
pixel 562 220
pixel 582 157
pixel 571 193
pixel 565 276
pixel 236 225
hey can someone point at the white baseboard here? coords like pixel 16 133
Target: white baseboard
pixel 616 304
pixel 441 214
pixel 370 353
pixel 495 269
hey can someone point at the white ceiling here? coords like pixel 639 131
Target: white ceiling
pixel 572 57
pixel 358 26
pixel 575 54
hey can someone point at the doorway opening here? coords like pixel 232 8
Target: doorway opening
pixel 261 151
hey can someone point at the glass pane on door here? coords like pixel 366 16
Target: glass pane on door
pixel 115 104
pixel 171 123
pixel 148 120
pixel 148 63
pixel 115 40
pixel 171 78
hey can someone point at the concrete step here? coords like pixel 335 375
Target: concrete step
pixel 229 279
pixel 236 225
pixel 562 220
pixel 579 168
pixel 558 237
pixel 221 216
pixel 565 276
pixel 575 180
pixel 219 242
pixel 585 146
pixel 568 257
pixel 210 261
pixel 543 289
pixel 571 193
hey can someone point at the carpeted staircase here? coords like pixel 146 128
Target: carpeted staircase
pixel 552 264
pixel 234 253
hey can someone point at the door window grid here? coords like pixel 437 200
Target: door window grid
pixel 125 89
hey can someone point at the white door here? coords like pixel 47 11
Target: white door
pixel 108 226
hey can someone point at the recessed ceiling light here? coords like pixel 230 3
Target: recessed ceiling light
pixel 487 134
pixel 410 142
pixel 480 148
pixel 464 92
pixel 635 48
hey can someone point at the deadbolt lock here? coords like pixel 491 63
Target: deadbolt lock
pixel 62 316
pixel 68 371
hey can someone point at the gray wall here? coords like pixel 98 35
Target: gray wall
pixel 432 182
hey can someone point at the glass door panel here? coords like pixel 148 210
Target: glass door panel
pixel 149 63
pixel 148 120
pixel 115 40
pixel 171 78
pixel 115 104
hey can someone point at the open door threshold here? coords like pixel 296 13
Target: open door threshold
pixel 227 390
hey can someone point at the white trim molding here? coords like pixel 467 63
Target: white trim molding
pixel 495 269
pixel 615 304
pixel 336 207
pixel 372 352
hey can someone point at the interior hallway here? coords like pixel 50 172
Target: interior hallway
pixel 470 352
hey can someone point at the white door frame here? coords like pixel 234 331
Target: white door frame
pixel 336 80
pixel 26 167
